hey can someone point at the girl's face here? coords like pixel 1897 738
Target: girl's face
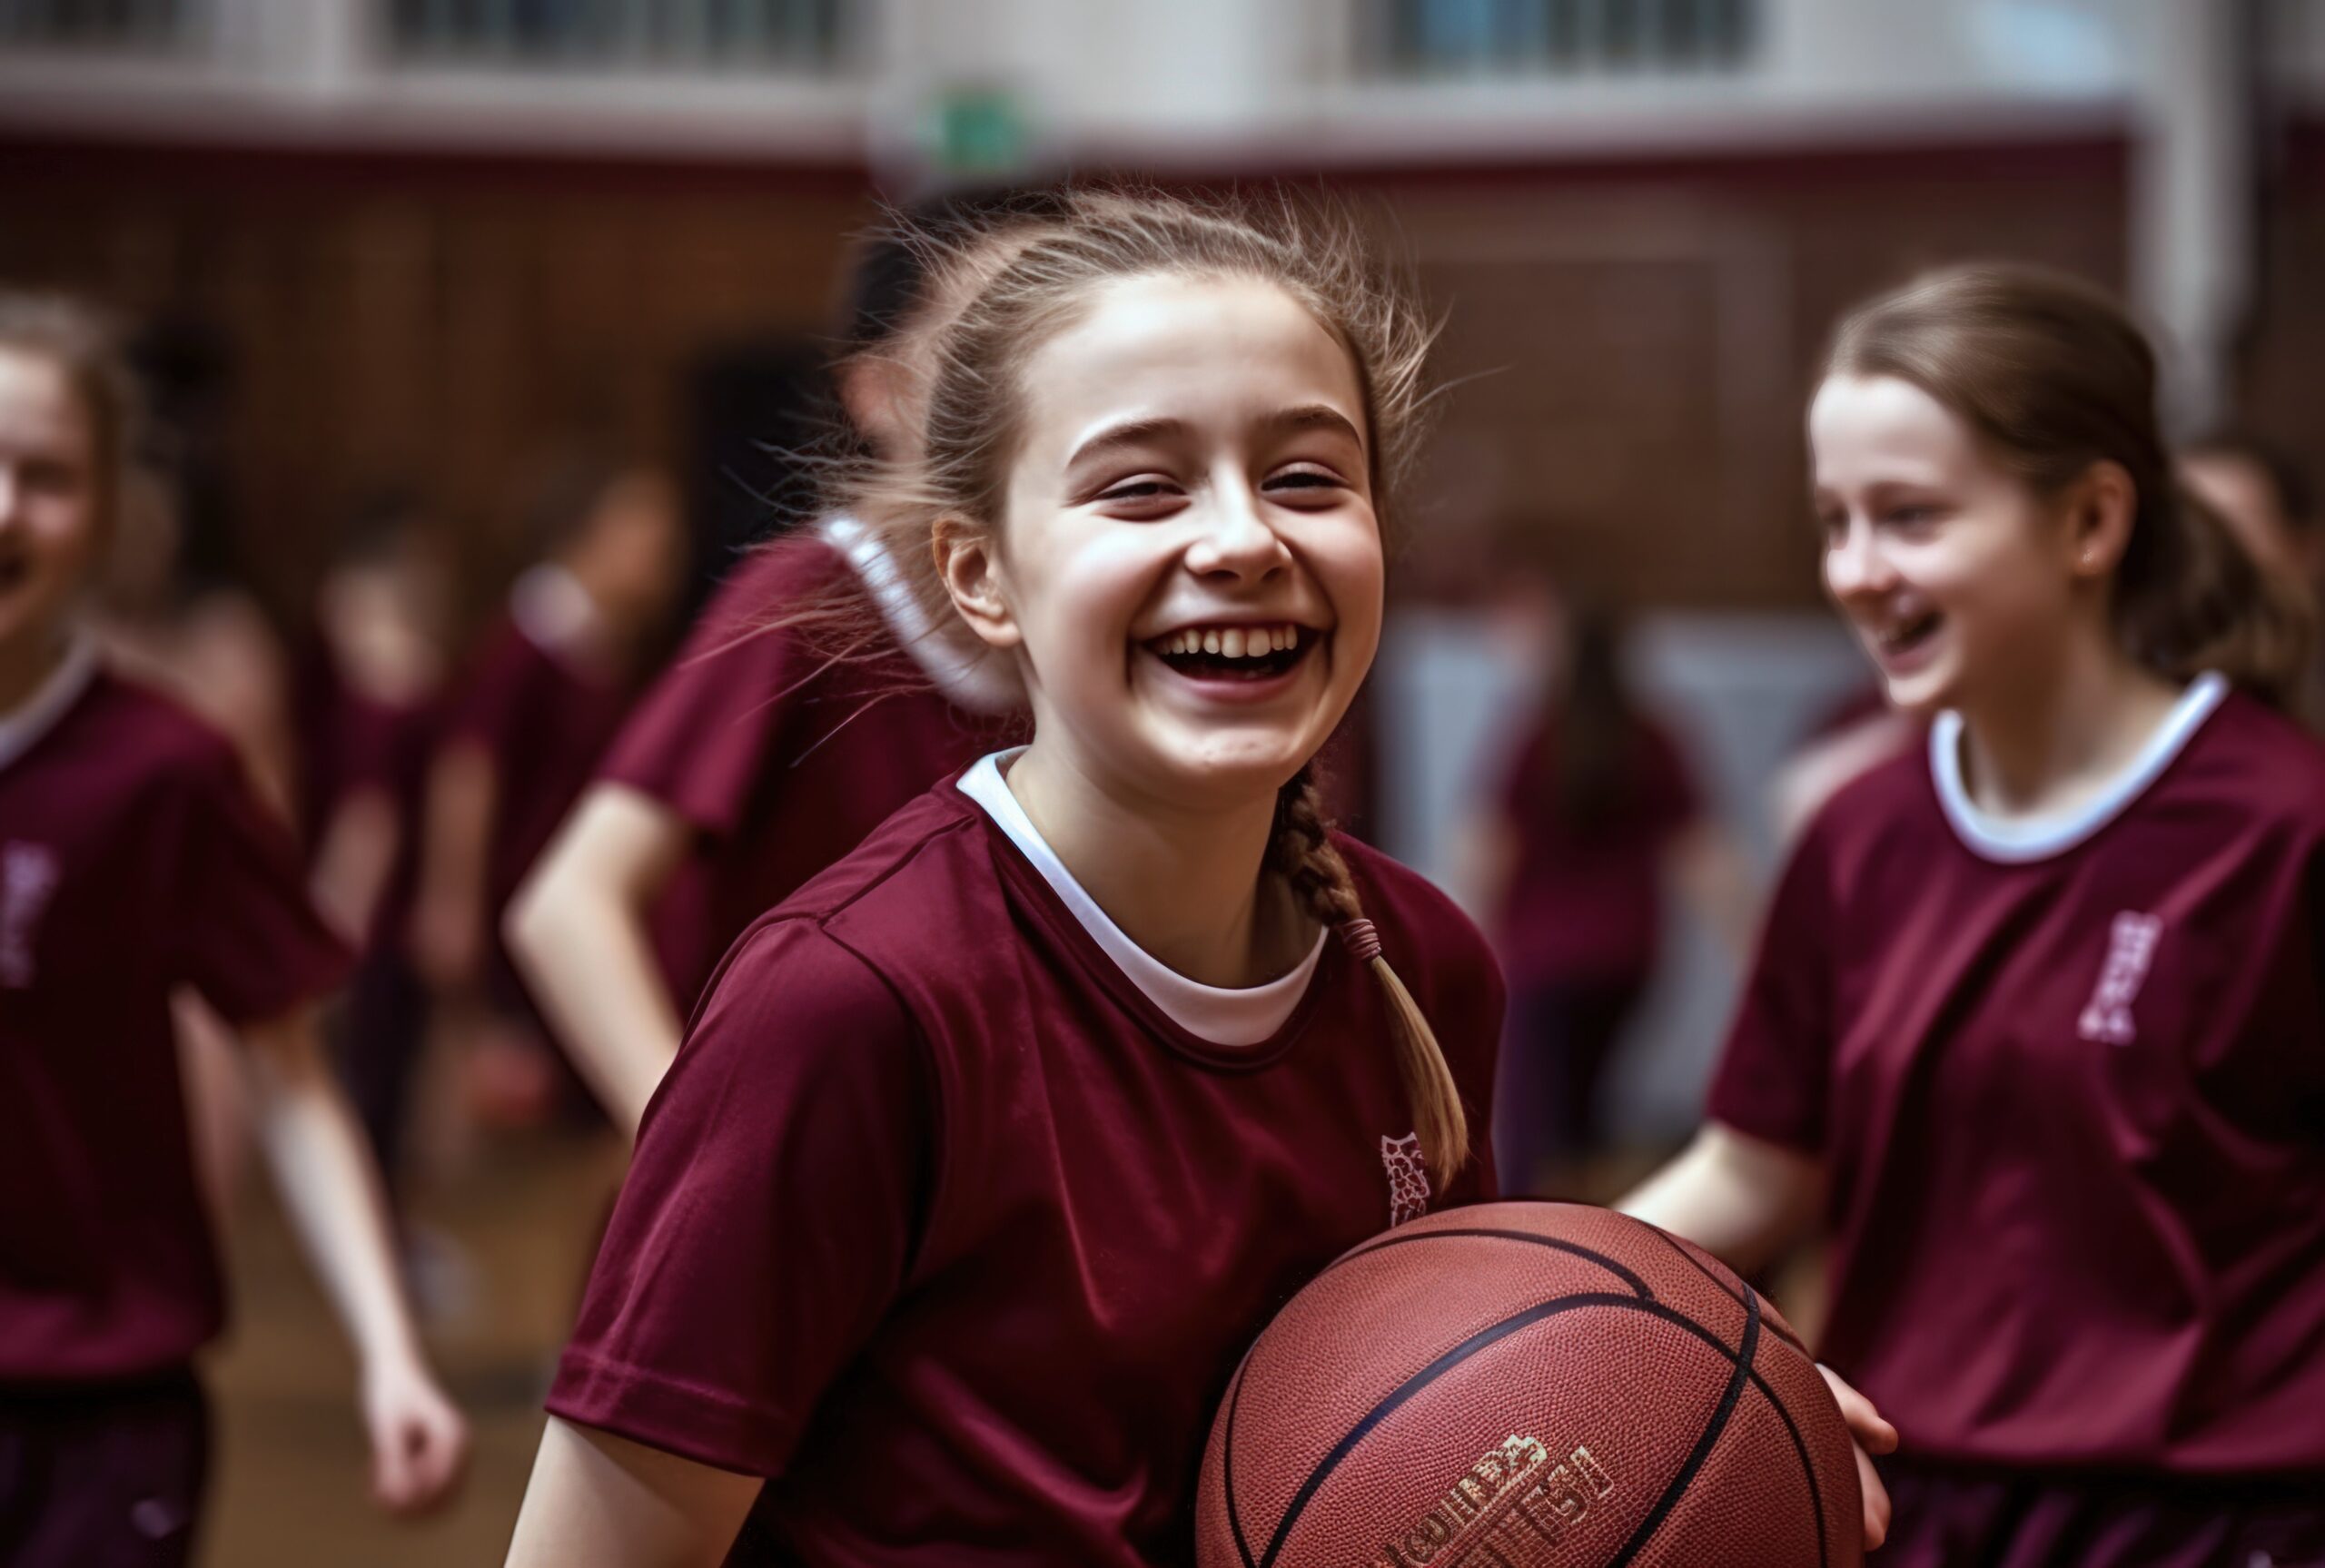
pixel 1189 561
pixel 1956 577
pixel 49 498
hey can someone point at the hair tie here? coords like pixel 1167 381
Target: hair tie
pixel 1363 942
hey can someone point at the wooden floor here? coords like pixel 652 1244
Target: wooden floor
pixel 289 1486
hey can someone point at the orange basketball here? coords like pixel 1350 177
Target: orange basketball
pixel 1517 1385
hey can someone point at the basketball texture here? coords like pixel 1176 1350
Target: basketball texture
pixel 1528 1385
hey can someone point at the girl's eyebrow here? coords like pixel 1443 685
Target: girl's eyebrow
pixel 1143 432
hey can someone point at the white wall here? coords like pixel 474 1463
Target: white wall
pixel 1738 690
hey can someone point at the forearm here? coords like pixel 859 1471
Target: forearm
pixel 597 1501
pixel 357 847
pixel 449 921
pixel 330 1189
pixel 578 929
pixel 1738 1197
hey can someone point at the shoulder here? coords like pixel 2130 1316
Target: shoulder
pixel 2255 762
pixel 137 726
pixel 910 878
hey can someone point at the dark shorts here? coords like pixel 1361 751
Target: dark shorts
pixel 1950 1517
pixel 106 1477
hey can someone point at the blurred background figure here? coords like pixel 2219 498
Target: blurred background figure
pixel 543 694
pixel 368 679
pixel 1599 813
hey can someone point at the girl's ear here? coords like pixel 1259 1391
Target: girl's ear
pixel 970 569
pixel 2101 508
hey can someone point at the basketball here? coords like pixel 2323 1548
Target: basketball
pixel 1521 1384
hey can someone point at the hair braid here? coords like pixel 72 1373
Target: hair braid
pixel 1302 853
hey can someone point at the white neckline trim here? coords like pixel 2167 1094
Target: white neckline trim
pixel 55 697
pixel 1238 1017
pixel 2041 837
pixel 977 679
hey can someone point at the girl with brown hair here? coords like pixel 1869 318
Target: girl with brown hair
pixel 2037 1025
pixel 990 1149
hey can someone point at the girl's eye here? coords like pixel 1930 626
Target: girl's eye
pixel 1303 479
pixel 1136 490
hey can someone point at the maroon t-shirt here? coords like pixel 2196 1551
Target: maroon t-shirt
pixel 1585 901
pixel 351 741
pixel 780 756
pixel 941 1224
pixel 544 718
pixel 134 858
pixel 2071 1098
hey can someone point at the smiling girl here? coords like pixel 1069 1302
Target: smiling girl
pixel 2037 1019
pixel 990 1152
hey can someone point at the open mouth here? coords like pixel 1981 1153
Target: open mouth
pixel 1906 637
pixel 1244 653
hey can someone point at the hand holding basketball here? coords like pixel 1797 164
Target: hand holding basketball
pixel 1872 1435
pixel 420 1442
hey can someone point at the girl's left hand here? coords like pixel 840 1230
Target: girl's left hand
pixel 1874 1436
pixel 420 1442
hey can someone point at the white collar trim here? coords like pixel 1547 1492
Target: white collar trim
pixel 20 731
pixel 978 678
pixel 1237 1017
pixel 2039 838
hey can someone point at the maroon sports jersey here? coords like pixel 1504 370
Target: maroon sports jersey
pixel 940 1223
pixel 2070 1086
pixel 780 758
pixel 1585 902
pixel 134 858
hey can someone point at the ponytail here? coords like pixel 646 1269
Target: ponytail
pixel 1301 852
pixel 2190 597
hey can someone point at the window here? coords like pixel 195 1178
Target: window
pixel 1483 38
pixel 621 34
pixel 138 26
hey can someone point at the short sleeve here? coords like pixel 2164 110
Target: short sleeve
pixel 769 1217
pixel 1774 1077
pixel 249 937
pixel 699 739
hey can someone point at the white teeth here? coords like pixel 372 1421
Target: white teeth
pixel 1210 642
pixel 1231 643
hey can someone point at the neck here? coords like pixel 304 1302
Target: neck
pixel 1183 882
pixel 2046 745
pixel 26 662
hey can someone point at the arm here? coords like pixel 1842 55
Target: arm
pixel 332 1194
pixel 1739 1197
pixel 578 929
pixel 597 1499
pixel 1715 879
pixel 447 924
pixel 351 863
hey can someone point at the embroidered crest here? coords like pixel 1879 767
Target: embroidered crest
pixel 2130 948
pixel 28 875
pixel 1407 1177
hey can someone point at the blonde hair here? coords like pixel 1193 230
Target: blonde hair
pixel 83 343
pixel 2052 377
pixel 1025 295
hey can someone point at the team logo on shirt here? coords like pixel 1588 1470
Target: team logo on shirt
pixel 2130 948
pixel 1511 1509
pixel 1407 1177
pixel 28 873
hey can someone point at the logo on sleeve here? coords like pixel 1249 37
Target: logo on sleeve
pixel 28 875
pixel 2131 949
pixel 1407 1177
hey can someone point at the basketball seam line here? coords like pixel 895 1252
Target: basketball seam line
pixel 1490 1335
pixel 1745 1354
pixel 1227 1460
pixel 1638 1286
